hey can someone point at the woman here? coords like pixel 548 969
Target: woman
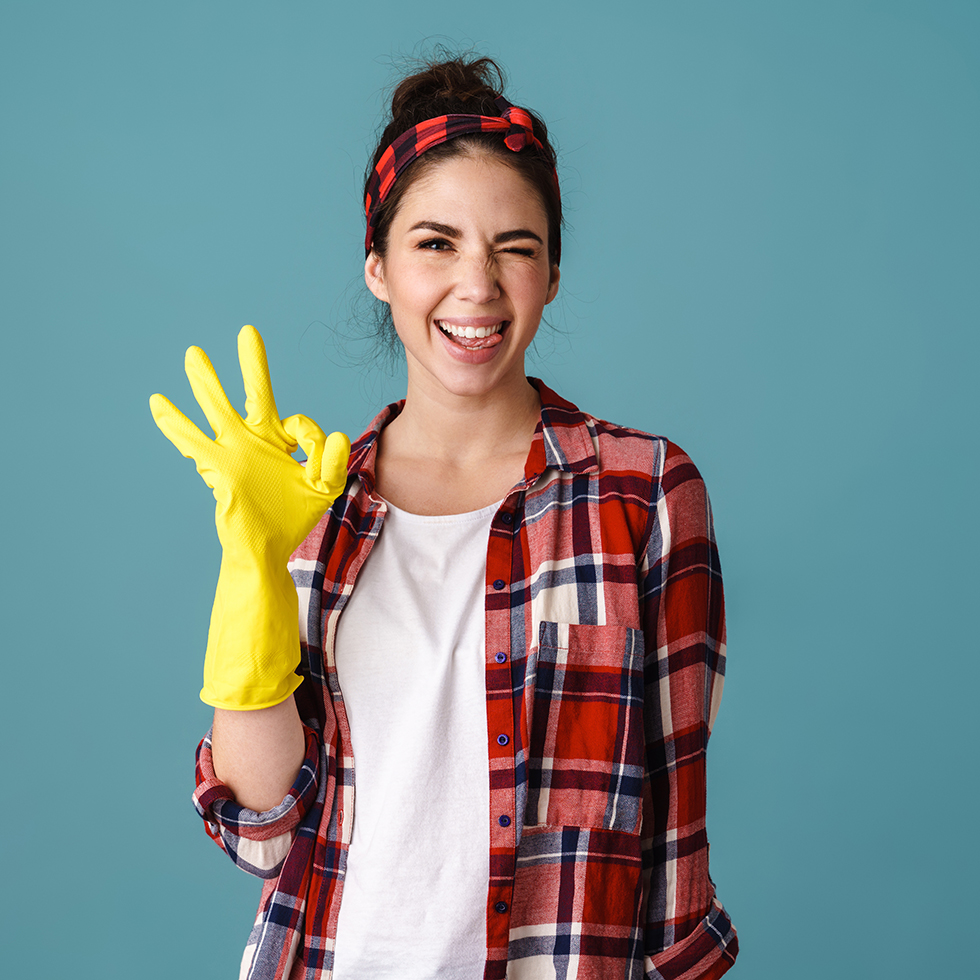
pixel 531 649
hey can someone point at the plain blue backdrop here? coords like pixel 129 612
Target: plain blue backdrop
pixel 772 257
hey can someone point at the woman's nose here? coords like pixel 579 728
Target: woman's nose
pixel 477 279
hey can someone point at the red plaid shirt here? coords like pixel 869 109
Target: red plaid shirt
pixel 605 646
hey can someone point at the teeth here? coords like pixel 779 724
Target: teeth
pixel 470 333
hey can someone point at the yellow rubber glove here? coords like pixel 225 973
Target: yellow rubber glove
pixel 267 503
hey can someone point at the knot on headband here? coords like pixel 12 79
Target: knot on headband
pixel 408 147
pixel 520 132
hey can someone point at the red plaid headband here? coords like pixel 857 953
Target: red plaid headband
pixel 414 142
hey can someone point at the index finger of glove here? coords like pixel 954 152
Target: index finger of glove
pixel 310 437
pixel 260 402
pixel 208 391
pixel 179 429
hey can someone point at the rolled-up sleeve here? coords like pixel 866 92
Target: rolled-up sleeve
pixel 257 842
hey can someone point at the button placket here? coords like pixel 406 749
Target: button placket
pixel 501 723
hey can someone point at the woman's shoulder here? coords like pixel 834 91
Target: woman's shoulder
pixel 624 442
pixel 616 447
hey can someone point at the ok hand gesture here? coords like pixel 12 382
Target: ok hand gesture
pixel 267 503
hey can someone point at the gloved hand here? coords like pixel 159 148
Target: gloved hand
pixel 267 503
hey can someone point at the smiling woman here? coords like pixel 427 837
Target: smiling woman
pixel 466 299
pixel 481 751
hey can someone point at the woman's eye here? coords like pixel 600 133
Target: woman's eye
pixel 434 244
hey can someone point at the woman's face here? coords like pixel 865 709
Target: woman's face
pixel 466 274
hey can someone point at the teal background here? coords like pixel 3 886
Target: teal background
pixel 772 257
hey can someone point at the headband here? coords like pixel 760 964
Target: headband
pixel 408 147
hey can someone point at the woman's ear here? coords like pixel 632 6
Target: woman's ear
pixel 374 276
pixel 553 285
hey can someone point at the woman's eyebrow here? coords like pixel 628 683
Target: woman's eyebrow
pixel 517 233
pixel 435 226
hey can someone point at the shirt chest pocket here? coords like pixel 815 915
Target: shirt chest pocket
pixel 584 698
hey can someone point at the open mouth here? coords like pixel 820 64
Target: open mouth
pixel 474 338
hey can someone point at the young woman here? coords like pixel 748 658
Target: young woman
pixel 481 751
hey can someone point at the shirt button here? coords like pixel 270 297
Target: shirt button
pixel 340 816
pixel 507 518
pixel 500 657
pixel 501 907
pixel 498 584
pixel 502 739
pixel 503 820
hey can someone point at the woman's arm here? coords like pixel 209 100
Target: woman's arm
pixel 257 754
pixel 266 504
pixel 687 931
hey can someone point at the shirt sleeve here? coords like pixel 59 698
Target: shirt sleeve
pixel 688 935
pixel 257 842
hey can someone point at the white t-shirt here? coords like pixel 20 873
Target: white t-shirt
pixel 411 663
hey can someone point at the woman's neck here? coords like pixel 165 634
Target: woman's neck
pixel 441 425
pixel 449 454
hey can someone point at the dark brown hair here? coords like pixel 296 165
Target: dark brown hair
pixel 454 86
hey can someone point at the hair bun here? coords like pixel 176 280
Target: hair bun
pixel 445 87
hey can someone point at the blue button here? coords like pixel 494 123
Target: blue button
pixel 503 820
pixel 507 518
pixel 499 583
pixel 501 907
pixel 502 739
pixel 500 657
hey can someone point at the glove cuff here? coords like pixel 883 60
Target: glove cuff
pixel 253 641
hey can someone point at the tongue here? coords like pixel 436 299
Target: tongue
pixel 477 343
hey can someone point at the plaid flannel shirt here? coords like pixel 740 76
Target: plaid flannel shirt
pixel 605 649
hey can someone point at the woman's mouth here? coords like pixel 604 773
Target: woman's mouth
pixel 471 337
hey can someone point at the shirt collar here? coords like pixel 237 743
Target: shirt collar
pixel 562 441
